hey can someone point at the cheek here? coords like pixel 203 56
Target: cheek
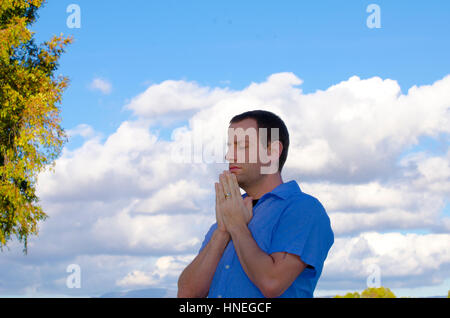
pixel 252 169
pixel 252 155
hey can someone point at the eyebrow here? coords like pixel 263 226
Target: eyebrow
pixel 246 142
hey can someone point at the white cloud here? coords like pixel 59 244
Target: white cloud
pixel 429 172
pixel 174 96
pixel 363 125
pixel 354 130
pixel 83 130
pixel 126 196
pixel 403 259
pixel 165 273
pixel 379 206
pixel 136 279
pixel 178 197
pixel 99 171
pixel 124 232
pixel 101 85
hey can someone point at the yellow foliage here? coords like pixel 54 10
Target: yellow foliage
pixel 31 137
pixel 349 295
pixel 381 292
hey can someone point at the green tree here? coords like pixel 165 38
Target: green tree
pixel 381 292
pixel 31 137
pixel 349 295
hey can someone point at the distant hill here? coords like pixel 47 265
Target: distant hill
pixel 141 293
pixel 166 293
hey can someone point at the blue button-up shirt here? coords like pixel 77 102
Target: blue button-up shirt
pixel 284 220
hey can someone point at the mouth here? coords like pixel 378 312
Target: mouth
pixel 234 168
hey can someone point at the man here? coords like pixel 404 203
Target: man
pixel 271 241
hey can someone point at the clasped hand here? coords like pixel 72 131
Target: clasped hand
pixel 231 211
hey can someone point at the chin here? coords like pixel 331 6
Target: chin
pixel 240 180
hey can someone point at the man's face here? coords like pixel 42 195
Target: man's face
pixel 243 152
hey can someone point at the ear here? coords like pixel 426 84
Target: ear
pixel 277 148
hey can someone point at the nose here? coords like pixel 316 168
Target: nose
pixel 230 156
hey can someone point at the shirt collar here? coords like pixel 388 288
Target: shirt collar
pixel 283 190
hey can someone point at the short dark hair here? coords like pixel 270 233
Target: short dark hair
pixel 266 119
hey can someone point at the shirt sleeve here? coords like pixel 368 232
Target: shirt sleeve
pixel 208 236
pixel 304 229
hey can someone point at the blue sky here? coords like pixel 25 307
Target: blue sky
pixel 234 43
pixel 106 180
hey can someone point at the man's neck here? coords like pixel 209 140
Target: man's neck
pixel 266 185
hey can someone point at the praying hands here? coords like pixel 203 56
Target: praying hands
pixel 231 210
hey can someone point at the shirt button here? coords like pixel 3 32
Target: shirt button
pixel 227 266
